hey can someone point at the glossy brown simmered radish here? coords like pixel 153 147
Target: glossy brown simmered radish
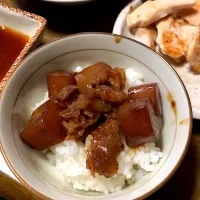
pixel 58 80
pixel 138 122
pixel 147 91
pixel 44 129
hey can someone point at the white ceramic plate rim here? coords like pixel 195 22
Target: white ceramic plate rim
pixel 118 29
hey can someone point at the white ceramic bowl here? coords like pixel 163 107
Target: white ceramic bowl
pixel 192 80
pixel 27 23
pixel 32 168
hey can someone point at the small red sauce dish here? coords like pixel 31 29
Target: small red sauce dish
pixel 20 32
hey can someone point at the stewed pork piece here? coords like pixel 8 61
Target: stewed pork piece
pixel 100 80
pixel 92 76
pixel 138 122
pixel 106 93
pixel 98 105
pixel 117 79
pixel 103 147
pixel 76 117
pixel 67 95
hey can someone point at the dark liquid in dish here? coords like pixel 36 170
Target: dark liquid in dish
pixel 11 44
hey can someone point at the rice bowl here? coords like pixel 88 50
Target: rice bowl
pixel 69 157
pixel 34 169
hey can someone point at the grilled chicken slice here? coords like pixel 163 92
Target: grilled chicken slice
pixel 146 36
pixel 193 50
pixel 151 11
pixel 191 15
pixel 174 36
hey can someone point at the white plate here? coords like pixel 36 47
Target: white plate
pixel 191 80
pixel 69 1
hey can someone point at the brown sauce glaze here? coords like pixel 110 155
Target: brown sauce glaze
pixel 184 122
pixel 117 38
pixel 170 98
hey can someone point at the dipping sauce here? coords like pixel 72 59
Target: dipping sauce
pixel 11 44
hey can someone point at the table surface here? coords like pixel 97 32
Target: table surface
pixel 100 16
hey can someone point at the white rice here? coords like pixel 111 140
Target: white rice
pixel 69 157
pixel 46 97
pixel 133 79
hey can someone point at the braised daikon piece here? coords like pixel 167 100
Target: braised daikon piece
pixel 147 91
pixel 44 128
pixel 58 80
pixel 104 145
pixel 138 122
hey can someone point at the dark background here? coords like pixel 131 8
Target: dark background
pixel 97 16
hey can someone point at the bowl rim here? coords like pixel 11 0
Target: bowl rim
pixel 28 45
pixel 70 2
pixel 44 197
pixel 118 29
